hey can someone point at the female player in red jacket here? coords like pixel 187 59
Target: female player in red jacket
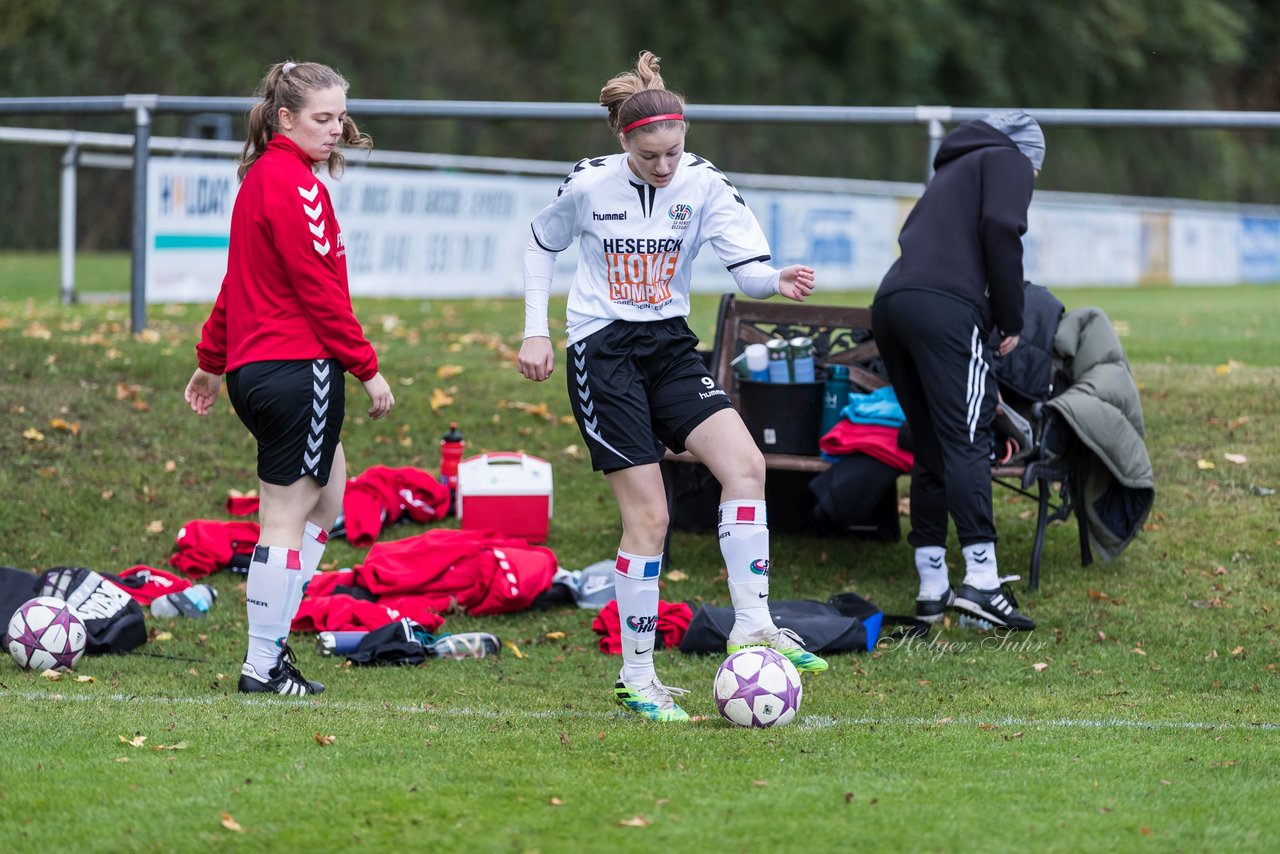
pixel 283 332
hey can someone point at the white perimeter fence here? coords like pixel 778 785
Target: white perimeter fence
pixel 430 225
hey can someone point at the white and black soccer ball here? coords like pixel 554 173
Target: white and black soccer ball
pixel 758 687
pixel 44 634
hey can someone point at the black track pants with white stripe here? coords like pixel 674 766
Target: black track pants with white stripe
pixel 940 365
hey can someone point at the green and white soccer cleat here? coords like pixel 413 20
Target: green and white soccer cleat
pixel 784 641
pixel 651 700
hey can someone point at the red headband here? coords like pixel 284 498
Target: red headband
pixel 665 117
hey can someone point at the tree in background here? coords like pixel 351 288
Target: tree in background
pixel 1132 54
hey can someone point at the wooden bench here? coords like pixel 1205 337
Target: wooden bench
pixel 842 336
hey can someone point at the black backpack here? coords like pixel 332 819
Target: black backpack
pixel 844 623
pixel 112 619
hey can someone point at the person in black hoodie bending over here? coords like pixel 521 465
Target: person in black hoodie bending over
pixel 959 278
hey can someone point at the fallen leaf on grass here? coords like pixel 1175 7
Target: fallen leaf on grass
pixel 137 741
pixel 181 745
pixel 51 675
pixel 155 526
pixel 1238 651
pixel 324 740
pixel 515 650
pixel 1238 459
pixel 555 635
pixel 555 802
pixel 122 758
pixel 635 821
pixel 537 410
pixel 677 575
pixel 1213 653
pixel 164 636
pixel 84 678
pixel 564 739
pixel 1137 650
pixel 230 823
pixel 1230 366
pixel 440 399
pixel 448 372
pixel 33 434
pixel 1204 465
pixel 697 718
pixel 64 426
pixel 1038 666
pixel 1145 831
pixel 759 784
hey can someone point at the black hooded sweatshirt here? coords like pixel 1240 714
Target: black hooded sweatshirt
pixel 964 235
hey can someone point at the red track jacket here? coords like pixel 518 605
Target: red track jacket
pixel 285 295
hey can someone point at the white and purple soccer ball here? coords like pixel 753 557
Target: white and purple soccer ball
pixel 44 634
pixel 758 687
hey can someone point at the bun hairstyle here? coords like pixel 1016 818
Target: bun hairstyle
pixel 640 94
pixel 289 84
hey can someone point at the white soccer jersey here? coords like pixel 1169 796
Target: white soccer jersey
pixel 637 242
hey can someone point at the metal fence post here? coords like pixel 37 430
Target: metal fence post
pixel 932 118
pixel 142 105
pixel 67 223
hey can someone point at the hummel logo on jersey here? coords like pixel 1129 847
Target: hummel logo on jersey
pixel 314 212
pixel 609 216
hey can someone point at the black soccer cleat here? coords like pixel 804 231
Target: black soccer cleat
pixel 282 679
pixel 932 610
pixel 997 607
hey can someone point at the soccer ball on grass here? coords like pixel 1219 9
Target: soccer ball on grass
pixel 44 634
pixel 758 687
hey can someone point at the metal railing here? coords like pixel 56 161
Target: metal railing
pixel 934 119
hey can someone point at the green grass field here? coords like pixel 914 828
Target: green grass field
pixel 1152 724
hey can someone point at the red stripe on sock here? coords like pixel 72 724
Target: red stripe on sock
pixel 292 559
pixel 746 514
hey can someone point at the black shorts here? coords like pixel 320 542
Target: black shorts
pixel 637 388
pixel 295 410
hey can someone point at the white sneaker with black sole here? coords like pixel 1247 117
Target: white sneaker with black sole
pixel 997 607
pixel 283 679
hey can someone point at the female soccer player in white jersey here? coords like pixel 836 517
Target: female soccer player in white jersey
pixel 636 382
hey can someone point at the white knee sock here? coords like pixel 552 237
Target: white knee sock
pixel 314 539
pixel 980 566
pixel 275 581
pixel 636 589
pixel 744 543
pixel 931 564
